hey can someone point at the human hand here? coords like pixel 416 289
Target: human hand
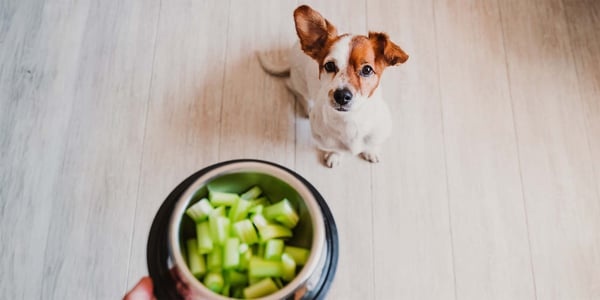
pixel 143 290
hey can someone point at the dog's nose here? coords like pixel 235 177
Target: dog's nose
pixel 342 96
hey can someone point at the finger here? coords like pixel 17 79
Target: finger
pixel 141 291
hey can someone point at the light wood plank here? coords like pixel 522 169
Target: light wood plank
pixel 491 251
pixel 258 111
pixel 39 46
pixel 583 18
pixel 412 236
pixel 182 131
pixel 88 237
pixel 562 201
pixel 347 188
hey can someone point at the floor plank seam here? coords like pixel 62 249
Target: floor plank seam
pixel 518 150
pixel 142 156
pixel 440 99
pixel 223 81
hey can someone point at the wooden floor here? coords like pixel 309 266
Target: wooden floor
pixel 488 189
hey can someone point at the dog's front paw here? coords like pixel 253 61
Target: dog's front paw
pixel 370 156
pixel 332 159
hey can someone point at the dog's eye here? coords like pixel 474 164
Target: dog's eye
pixel 366 71
pixel 330 67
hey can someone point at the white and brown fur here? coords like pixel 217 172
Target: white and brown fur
pixel 344 104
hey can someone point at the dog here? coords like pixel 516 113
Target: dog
pixel 336 78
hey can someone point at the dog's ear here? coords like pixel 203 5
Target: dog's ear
pixel 313 30
pixel 390 53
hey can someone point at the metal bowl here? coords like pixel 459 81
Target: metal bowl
pixel 315 230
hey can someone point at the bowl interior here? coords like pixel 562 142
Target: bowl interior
pixel 273 188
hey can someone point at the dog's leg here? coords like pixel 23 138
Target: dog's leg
pixel 372 153
pixel 332 158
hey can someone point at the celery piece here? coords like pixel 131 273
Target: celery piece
pixel 261 288
pixel 253 280
pixel 264 268
pixel 259 221
pixel 218 211
pixel 245 255
pixel 236 278
pixel 273 249
pixel 214 259
pixel 226 289
pixel 282 212
pixel 221 198
pixel 219 228
pixel 231 253
pixel 239 210
pixel 237 292
pixel 278 282
pixel 214 281
pixel 274 231
pixel 300 255
pixel 195 259
pixel 288 267
pixel 246 232
pixel 252 193
pixel 200 210
pixel 256 209
pixel 205 243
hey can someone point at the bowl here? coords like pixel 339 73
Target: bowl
pixel 171 228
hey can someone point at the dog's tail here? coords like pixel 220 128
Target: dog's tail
pixel 281 69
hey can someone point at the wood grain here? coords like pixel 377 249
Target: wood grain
pixel 412 234
pixel 489 230
pixel 560 192
pixel 87 244
pixel 37 78
pixel 182 130
pixel 257 110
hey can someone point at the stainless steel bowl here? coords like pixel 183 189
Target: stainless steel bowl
pixel 315 230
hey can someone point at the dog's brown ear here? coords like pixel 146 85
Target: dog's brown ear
pixel 313 30
pixel 390 53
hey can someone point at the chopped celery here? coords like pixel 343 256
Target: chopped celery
pixel 300 255
pixel 264 268
pixel 273 249
pixel 221 198
pixel 231 254
pixel 288 267
pixel 214 281
pixel 278 282
pixel 252 193
pixel 214 259
pixel 259 221
pixel 261 288
pixel 272 231
pixel 200 210
pixel 240 245
pixel 219 228
pixel 282 212
pixel 256 209
pixel 205 243
pixel 245 255
pixel 236 278
pixel 195 259
pixel 246 232
pixel 226 289
pixel 239 210
pixel 237 292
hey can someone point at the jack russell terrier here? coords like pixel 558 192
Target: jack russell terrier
pixel 339 92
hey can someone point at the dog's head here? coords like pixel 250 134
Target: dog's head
pixel 349 65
